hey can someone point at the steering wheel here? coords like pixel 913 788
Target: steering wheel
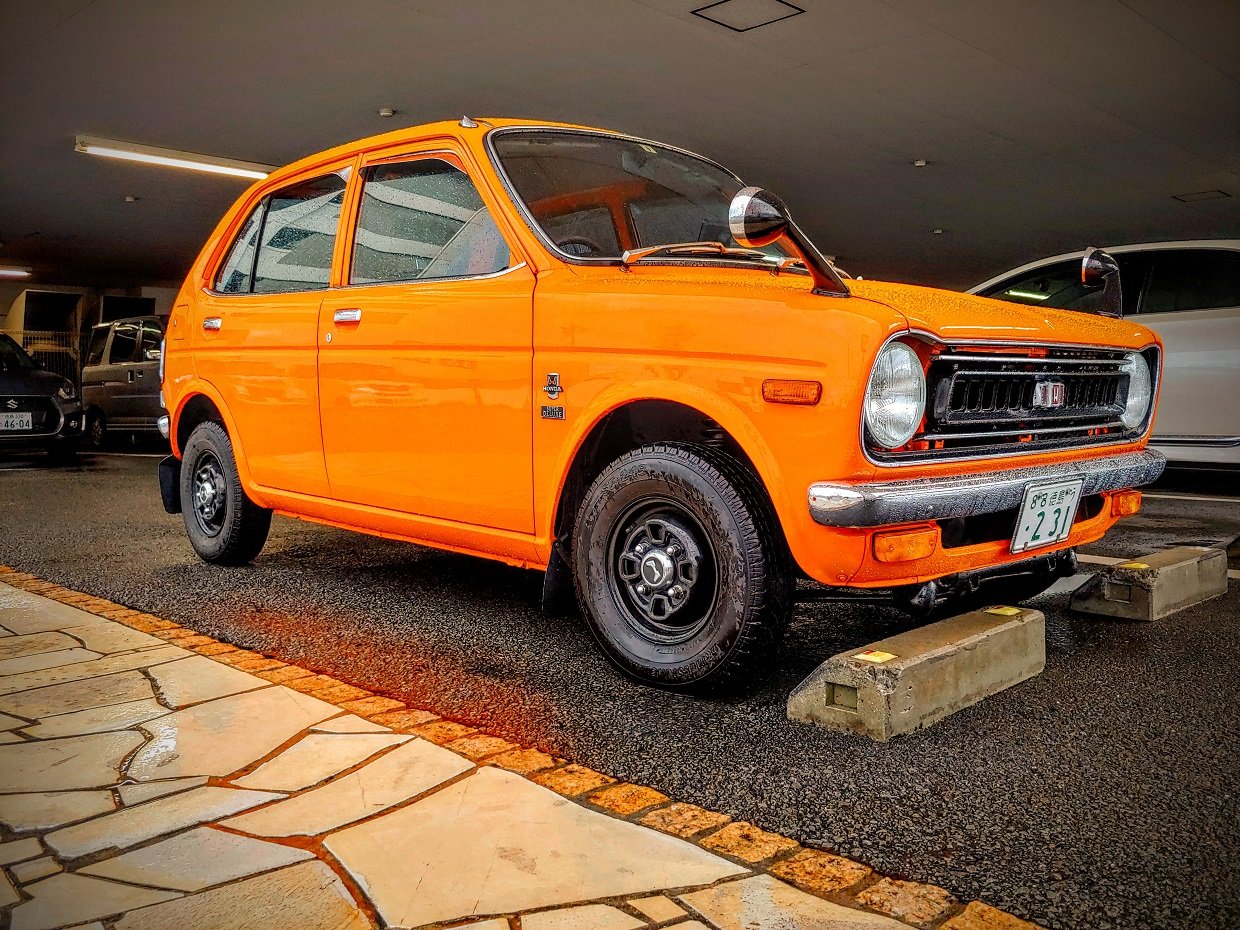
pixel 579 246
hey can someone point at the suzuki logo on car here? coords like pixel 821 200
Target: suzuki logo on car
pixel 12 405
pixel 1048 394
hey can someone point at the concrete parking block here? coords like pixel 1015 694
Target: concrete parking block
pixel 914 679
pixel 1156 585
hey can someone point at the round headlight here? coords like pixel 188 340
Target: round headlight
pixel 1140 390
pixel 67 391
pixel 895 397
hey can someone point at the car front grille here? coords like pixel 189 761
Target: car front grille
pixel 45 417
pixel 985 401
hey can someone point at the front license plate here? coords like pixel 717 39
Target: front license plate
pixel 11 422
pixel 1046 514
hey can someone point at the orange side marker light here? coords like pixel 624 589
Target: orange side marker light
pixel 1125 503
pixel 905 546
pixel 801 393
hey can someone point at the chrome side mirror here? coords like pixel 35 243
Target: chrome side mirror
pixel 1100 269
pixel 757 218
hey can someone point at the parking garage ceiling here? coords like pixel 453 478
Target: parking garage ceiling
pixel 1045 125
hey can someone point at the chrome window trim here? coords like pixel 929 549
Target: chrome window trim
pixel 534 227
pixel 346 287
pixel 916 459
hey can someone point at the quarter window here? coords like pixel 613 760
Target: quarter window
pixel 298 236
pixel 237 272
pixel 152 336
pixel 98 339
pixel 1192 279
pixel 124 343
pixel 423 219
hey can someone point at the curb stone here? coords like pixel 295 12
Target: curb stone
pixel 817 872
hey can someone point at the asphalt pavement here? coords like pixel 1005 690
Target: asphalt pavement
pixel 1101 794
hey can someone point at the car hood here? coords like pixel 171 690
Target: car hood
pixel 957 317
pixel 34 381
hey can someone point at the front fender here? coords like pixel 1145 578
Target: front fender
pixel 196 387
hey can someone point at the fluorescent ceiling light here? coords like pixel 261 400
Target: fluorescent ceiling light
pixel 171 158
pixel 1028 295
pixel 14 273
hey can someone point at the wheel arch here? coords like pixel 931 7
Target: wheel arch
pixel 200 402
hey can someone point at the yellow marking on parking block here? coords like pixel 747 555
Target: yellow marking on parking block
pixel 1004 611
pixel 876 656
pixel 1133 565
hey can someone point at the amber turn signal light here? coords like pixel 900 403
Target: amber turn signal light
pixel 803 393
pixel 905 546
pixel 1125 503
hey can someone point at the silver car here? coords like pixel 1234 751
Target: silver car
pixel 1187 292
pixel 120 380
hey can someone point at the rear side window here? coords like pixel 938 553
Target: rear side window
pixel 1192 279
pixel 152 336
pixel 298 235
pixel 98 340
pixel 1059 285
pixel 423 219
pixel 237 272
pixel 125 338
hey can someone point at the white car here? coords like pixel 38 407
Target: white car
pixel 1187 292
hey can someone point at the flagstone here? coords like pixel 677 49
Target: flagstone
pixel 197 679
pixel 66 898
pixel 19 850
pixel 45 810
pixel 403 773
pixel 7 737
pixel 658 908
pixel 423 863
pixel 132 825
pixel 348 723
pixel 132 794
pixel 90 761
pixel 222 736
pixel 97 719
pixel 8 894
pixel 316 757
pixel 121 662
pixel 11 723
pixel 106 636
pixel 79 695
pixel 308 896
pixel 198 859
pixel 32 871
pixel 23 613
pixel 44 660
pixel 34 643
pixel 585 917
pixel 765 903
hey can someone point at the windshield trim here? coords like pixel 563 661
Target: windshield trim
pixel 617 262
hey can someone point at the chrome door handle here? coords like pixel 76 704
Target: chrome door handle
pixel 348 315
pixel 212 323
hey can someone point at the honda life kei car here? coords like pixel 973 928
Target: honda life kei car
pixel 608 359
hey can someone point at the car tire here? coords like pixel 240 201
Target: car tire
pixel 224 526
pixel 96 430
pixel 681 569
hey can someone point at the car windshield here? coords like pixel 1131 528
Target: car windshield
pixel 12 356
pixel 597 196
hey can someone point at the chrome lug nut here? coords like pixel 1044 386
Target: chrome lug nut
pixel 643 590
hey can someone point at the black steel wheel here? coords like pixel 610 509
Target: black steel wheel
pixel 224 526
pixel 680 568
pixel 96 430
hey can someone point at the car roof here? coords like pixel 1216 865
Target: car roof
pixel 1229 244
pixel 130 319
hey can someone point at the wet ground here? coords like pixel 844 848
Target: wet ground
pixel 1100 795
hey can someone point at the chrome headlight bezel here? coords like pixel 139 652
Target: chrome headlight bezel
pixel 1139 402
pixel 897 379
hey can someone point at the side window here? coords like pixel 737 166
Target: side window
pixel 297 236
pixel 423 219
pixel 237 271
pixel 152 336
pixel 1056 285
pixel 1192 279
pixel 98 340
pixel 124 343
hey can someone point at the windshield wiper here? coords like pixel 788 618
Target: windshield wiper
pixel 631 256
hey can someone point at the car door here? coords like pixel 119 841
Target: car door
pixel 117 375
pixel 146 406
pixel 94 384
pixel 1192 300
pixel 425 353
pixel 254 331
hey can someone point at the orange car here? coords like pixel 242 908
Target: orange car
pixel 606 358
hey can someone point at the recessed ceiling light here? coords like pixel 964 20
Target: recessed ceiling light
pixel 743 15
pixel 171 158
pixel 938 231
pixel 130 198
pixel 920 163
pixel 14 273
pixel 386 112
pixel 1199 196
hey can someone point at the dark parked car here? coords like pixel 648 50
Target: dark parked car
pixel 38 409
pixel 120 380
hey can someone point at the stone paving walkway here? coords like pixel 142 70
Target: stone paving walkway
pixel 145 785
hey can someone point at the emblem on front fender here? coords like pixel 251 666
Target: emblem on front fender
pixel 552 388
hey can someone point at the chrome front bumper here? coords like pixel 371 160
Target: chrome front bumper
pixel 916 500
